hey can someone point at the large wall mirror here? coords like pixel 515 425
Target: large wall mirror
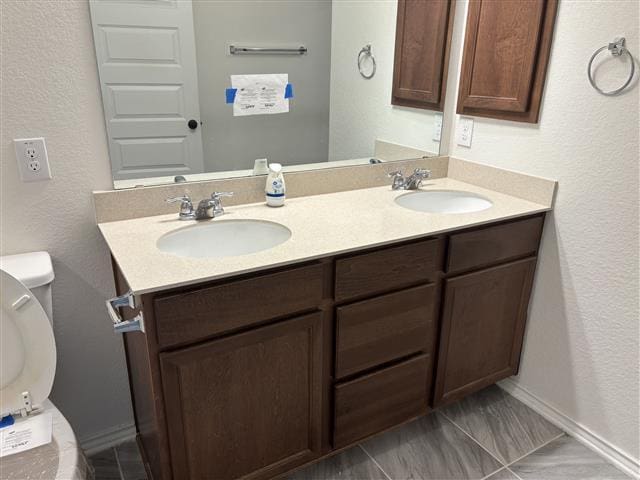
pixel 201 89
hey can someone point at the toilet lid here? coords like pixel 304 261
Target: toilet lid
pixel 27 347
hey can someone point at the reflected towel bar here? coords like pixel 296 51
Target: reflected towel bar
pixel 234 50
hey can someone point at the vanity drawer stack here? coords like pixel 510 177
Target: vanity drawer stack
pixel 384 341
pixel 256 375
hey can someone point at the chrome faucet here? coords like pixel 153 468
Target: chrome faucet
pixel 207 208
pixel 412 182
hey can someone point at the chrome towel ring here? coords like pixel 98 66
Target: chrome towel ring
pixel 617 49
pixel 366 52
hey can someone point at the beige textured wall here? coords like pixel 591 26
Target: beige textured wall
pixel 581 349
pixel 50 89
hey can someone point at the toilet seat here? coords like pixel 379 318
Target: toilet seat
pixel 28 362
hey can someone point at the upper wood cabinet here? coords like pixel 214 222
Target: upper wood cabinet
pixel 423 39
pixel 506 51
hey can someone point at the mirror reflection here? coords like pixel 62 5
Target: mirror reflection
pixel 201 89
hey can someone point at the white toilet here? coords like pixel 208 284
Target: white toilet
pixel 28 366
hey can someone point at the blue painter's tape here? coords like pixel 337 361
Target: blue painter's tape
pixel 231 94
pixel 288 91
pixel 6 421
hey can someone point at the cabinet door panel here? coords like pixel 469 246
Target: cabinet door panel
pixel 483 320
pixel 506 52
pixel 246 405
pixel 423 37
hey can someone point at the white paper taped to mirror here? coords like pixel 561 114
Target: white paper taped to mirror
pixel 260 94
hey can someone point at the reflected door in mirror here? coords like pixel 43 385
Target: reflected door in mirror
pixel 148 76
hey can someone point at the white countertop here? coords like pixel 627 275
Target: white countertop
pixel 321 225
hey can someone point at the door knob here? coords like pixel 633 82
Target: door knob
pixel 192 124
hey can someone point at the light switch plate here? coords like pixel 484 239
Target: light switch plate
pixel 464 131
pixel 33 162
pixel 437 127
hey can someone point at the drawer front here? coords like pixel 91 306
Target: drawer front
pixel 382 329
pixel 384 270
pixel 491 245
pixel 204 312
pixel 381 400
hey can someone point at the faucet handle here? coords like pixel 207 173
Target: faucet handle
pixel 186 206
pixel 217 204
pixel 183 198
pixel 218 195
pixel 422 172
pixel 398 180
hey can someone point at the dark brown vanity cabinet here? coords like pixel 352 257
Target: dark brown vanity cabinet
pixel 423 40
pixel 506 52
pixel 257 375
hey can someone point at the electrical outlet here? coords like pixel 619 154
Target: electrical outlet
pixel 464 131
pixel 33 162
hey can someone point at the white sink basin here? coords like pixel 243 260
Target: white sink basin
pixel 224 238
pixel 443 201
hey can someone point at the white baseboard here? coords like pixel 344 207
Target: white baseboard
pixel 581 433
pixel 108 438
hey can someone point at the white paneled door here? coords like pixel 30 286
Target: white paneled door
pixel 148 75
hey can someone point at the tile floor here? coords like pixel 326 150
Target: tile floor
pixel 489 435
pixel 119 463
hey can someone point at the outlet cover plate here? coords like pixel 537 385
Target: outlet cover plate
pixel 464 131
pixel 33 162
pixel 437 127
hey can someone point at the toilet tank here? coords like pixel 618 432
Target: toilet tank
pixel 35 271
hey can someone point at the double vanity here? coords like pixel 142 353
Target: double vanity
pixel 265 339
pixel 274 337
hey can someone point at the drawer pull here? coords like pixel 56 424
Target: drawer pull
pixel 136 324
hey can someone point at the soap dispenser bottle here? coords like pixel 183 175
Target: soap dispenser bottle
pixel 275 188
